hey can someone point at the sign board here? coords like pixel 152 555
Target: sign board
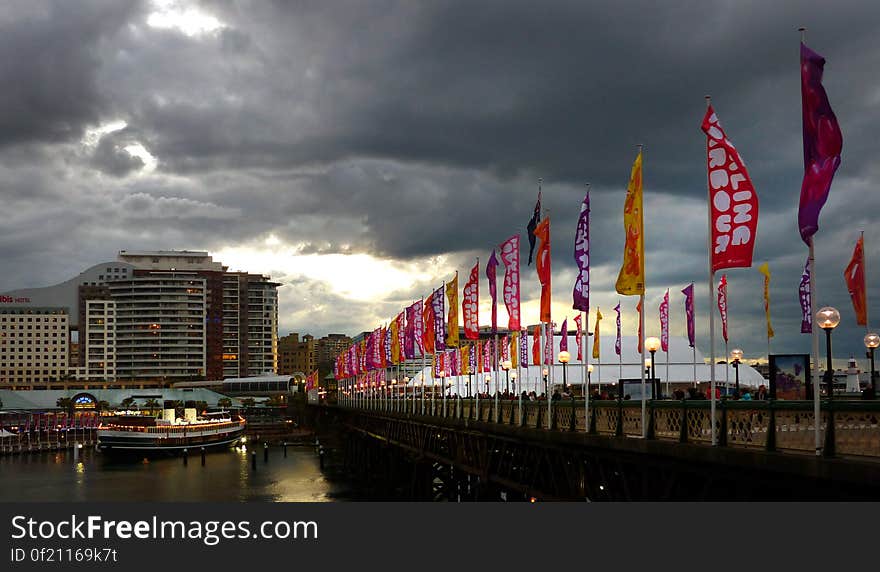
pixel 790 376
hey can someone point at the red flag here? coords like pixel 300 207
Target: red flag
pixel 428 326
pixel 732 197
pixel 855 282
pixel 664 323
pixel 536 345
pixel 470 304
pixel 722 305
pixel 542 264
pixel 639 312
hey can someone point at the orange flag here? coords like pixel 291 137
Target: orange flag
pixel 631 280
pixel 542 265
pixel 428 329
pixel 855 282
pixel 536 345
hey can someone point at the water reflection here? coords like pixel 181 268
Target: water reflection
pixel 226 476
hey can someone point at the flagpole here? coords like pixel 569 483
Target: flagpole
pixel 711 313
pixel 865 285
pixel 642 314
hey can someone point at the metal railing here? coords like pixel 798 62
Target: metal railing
pixel 769 425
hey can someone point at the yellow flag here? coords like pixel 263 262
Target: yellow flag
pixel 596 335
pixel 465 359
pixel 765 270
pixel 514 349
pixel 452 320
pixel 631 280
pixel 395 343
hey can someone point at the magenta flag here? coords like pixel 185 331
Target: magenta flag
pixel 524 348
pixel 418 328
pixel 439 307
pixel 581 292
pixel 806 301
pixel 505 349
pixel 493 289
pixel 409 342
pixel 563 342
pixel 664 323
pixel 510 257
pixel 488 364
pixel 388 345
pixel 689 312
pixel 548 344
pixel 617 347
pixel 722 305
pixel 823 142
pixel 578 336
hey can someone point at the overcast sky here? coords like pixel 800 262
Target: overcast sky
pixel 361 152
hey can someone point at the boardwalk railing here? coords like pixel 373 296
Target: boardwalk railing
pixel 771 425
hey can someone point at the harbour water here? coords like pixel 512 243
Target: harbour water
pixel 226 476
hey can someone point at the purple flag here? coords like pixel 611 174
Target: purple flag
pixel 490 274
pixel 472 359
pixel 563 342
pixel 388 345
pixel 617 341
pixel 806 301
pixel 524 348
pixel 823 142
pixel 418 327
pixel 409 341
pixel 438 305
pixel 581 293
pixel 548 344
pixel 533 224
pixel 664 323
pixel 689 312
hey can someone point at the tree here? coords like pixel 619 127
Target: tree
pixel 224 403
pixel 64 403
pixel 248 402
pixel 128 402
pixel 152 405
pixel 102 405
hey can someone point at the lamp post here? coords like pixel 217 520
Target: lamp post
pixel 506 365
pixel 564 356
pixel 652 344
pixel 513 380
pixel 545 372
pixel 872 340
pixel 736 356
pixel 488 379
pixel 828 318
pixel 648 362
pixel 590 379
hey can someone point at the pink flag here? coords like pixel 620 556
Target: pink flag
pixel 664 323
pixel 823 143
pixel 470 304
pixel 510 257
pixel 487 356
pixel 722 304
pixel 563 342
pixel 418 327
pixel 689 313
pixel 581 292
pixel 734 203
pixel 493 289
pixel 548 343
pixel 505 348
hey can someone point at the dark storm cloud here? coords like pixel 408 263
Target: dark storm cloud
pixel 409 130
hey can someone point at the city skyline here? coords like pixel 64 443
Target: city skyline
pixel 362 166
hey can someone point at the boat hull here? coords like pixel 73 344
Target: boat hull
pixel 110 442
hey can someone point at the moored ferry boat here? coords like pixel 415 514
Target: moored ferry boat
pixel 127 432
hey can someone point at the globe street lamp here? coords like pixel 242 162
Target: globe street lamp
pixel 590 378
pixel 506 365
pixel 564 356
pixel 488 379
pixel 513 380
pixel 872 341
pixel 736 356
pixel 652 344
pixel 828 318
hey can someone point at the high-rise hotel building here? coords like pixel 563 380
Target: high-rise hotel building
pixel 151 315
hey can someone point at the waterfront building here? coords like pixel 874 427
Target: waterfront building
pixel 33 345
pixel 297 355
pixel 155 316
pixel 329 347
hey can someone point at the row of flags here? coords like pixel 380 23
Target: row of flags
pixel 426 327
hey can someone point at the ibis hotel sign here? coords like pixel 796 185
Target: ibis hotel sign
pixel 15 300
